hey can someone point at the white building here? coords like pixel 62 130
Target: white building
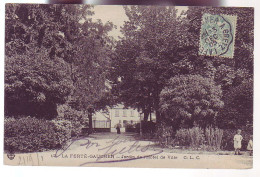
pixel 101 120
pixel 123 116
pixel 114 116
pixel 107 121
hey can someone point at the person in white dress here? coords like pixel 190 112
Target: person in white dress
pixel 237 142
pixel 250 146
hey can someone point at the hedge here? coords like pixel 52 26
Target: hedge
pixel 29 134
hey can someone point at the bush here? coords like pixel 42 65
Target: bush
pixel 213 138
pixel 147 127
pixel 76 118
pixel 31 135
pixel 197 137
pixel 192 137
pixel 164 134
pixel 182 137
pixel 227 142
pixel 64 128
pixel 137 126
pixel 130 127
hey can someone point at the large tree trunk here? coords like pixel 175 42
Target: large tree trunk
pixel 146 115
pixel 90 112
pixel 156 97
pixel 158 117
pixel 157 112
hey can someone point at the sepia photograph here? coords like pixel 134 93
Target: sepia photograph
pixel 128 86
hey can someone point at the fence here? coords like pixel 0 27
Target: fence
pixel 101 123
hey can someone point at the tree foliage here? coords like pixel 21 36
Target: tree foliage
pixel 244 36
pixel 145 56
pixel 158 44
pixel 55 54
pixel 34 86
pixel 191 100
pixel 238 110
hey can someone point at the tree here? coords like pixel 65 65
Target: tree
pixel 225 71
pixel 42 26
pixel 34 85
pixel 90 67
pixel 191 100
pixel 158 45
pixel 34 82
pixel 238 110
pixel 74 49
pixel 146 57
pixel 244 40
pixel 231 74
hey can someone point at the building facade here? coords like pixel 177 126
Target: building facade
pixel 118 115
pixel 123 116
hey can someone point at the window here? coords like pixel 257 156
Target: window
pixel 132 113
pixel 116 113
pixel 124 113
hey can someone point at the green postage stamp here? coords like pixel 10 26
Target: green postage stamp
pixel 217 35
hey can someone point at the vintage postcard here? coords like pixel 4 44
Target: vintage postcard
pixel 128 86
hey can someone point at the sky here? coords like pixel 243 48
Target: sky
pixel 116 15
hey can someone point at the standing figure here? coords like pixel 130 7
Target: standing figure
pixel 118 128
pixel 237 142
pixel 250 146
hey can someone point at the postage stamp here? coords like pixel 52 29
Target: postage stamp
pixel 217 36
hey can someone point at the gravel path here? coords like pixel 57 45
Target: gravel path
pixel 111 149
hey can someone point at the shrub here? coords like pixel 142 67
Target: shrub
pixel 164 134
pixel 213 138
pixel 31 135
pixel 147 127
pixel 182 137
pixel 196 137
pixel 227 142
pixel 130 127
pixel 192 137
pixel 76 118
pixel 137 126
pixel 64 128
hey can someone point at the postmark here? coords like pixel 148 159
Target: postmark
pixel 217 35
